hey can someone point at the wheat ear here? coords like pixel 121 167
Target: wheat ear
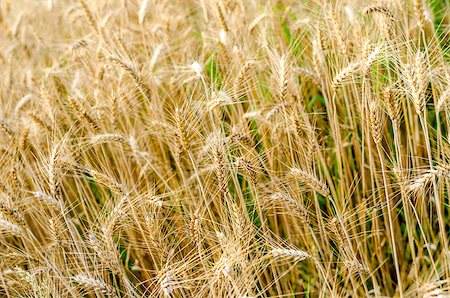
pixel 311 181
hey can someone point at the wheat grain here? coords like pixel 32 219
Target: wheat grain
pixel 107 181
pixel 393 104
pixel 420 14
pixel 221 14
pixel 297 255
pixel 355 266
pixel 93 283
pixel 311 181
pixel 13 216
pixel 379 8
pixel 103 138
pixel 167 282
pixel 47 199
pixel 143 11
pixel 5 127
pixel 345 73
pixel 375 122
pixel 23 101
pixel 82 114
pixel 417 82
pixel 6 225
pixel 443 100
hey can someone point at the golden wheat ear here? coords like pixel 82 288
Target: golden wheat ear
pixel 311 181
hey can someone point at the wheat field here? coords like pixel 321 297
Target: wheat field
pixel 224 148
